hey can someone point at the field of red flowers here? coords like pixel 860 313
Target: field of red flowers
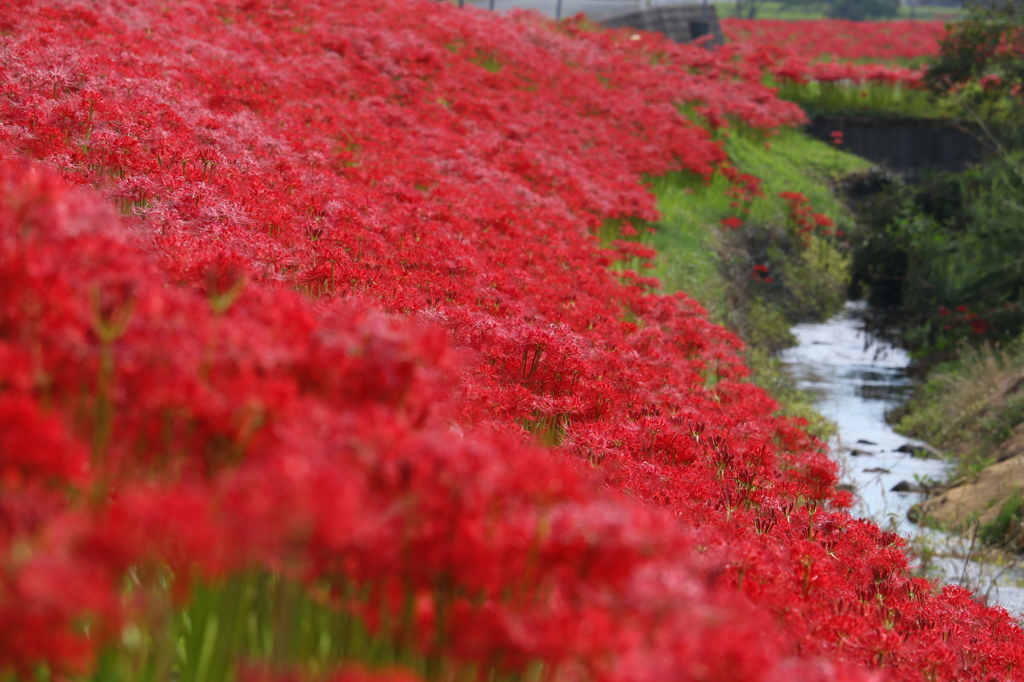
pixel 836 50
pixel 841 40
pixel 309 293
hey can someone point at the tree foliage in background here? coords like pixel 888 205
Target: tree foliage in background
pixel 944 253
pixel 857 10
pixel 949 261
pixel 979 72
pixel 747 9
pixel 942 256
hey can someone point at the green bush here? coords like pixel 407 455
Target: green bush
pixel 1007 529
pixel 979 72
pixel 944 255
pixel 969 407
pixel 859 10
pixel 699 256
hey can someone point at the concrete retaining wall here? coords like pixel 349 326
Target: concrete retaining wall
pixel 905 145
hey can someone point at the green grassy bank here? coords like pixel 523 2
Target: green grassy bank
pixel 715 264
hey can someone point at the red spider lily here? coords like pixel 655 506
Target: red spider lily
pixel 840 39
pixel 802 216
pixel 318 294
pixel 822 220
pixel 835 50
pixel 761 273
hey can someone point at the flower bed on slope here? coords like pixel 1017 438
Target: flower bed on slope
pixel 839 65
pixel 354 280
pixel 842 40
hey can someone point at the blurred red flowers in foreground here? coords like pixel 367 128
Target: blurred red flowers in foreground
pixel 304 301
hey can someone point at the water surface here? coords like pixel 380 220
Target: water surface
pixel 855 379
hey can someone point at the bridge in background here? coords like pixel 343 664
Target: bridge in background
pixel 680 21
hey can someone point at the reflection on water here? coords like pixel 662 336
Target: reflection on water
pixel 855 379
pixel 891 393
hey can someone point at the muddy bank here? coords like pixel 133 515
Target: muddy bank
pixel 979 501
pixel 974 411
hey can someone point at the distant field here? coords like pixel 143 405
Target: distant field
pixel 773 10
pixel 901 42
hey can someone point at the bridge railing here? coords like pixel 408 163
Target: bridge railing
pixel 559 5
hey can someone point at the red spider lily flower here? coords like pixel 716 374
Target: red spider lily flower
pixel 991 82
pixel 979 325
pixel 761 273
pixel 841 40
pixel 822 220
pixel 253 322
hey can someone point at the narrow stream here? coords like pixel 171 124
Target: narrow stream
pixel 855 379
